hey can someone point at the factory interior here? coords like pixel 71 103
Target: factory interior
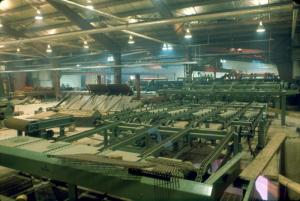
pixel 149 100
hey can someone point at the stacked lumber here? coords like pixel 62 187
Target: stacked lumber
pixel 103 104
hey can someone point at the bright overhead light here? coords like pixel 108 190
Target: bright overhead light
pixel 39 15
pixel 85 45
pixel 1 25
pixel 170 47
pixel 110 58
pixel 223 61
pixel 89 4
pixel 18 50
pixel 188 34
pixel 165 47
pixel 78 65
pixel 49 49
pixel 260 28
pixel 130 40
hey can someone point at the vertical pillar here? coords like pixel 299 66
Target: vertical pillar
pixel 236 143
pixel 283 109
pixel 188 68
pixel 104 79
pixel 2 91
pixel 261 135
pixel 138 86
pixel 105 138
pixel 83 81
pixel 61 131
pixel 117 70
pixel 277 106
pixel 56 80
pixel 99 81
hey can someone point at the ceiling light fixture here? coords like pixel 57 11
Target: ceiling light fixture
pixel 39 15
pixel 110 58
pixel 130 40
pixel 165 47
pixel 188 34
pixel 89 4
pixel 49 49
pixel 85 45
pixel 18 50
pixel 170 47
pixel 223 61
pixel 260 28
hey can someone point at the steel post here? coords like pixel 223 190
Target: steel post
pixel 283 109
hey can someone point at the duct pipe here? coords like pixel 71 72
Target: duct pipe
pixel 210 16
pixel 110 16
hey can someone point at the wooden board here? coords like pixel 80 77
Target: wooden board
pixel 255 168
pixel 289 183
pixel 272 169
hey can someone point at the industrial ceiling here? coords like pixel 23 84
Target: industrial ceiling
pixel 94 29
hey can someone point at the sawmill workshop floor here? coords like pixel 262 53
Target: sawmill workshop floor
pixel 292 120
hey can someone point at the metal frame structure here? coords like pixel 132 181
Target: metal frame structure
pixel 249 90
pixel 40 128
pixel 151 133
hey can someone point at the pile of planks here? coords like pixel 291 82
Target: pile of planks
pixel 103 104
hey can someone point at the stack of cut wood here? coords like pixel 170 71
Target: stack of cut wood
pixel 89 104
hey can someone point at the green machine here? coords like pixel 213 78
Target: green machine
pixel 40 128
pixel 6 107
pixel 162 167
pixel 6 110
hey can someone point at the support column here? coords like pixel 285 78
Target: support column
pixel 277 106
pixel 99 81
pixel 236 143
pixel 261 135
pixel 56 80
pixel 2 91
pixel 138 86
pixel 117 70
pixel 187 67
pixel 283 109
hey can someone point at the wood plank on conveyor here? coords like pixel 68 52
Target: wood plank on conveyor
pixel 272 169
pixel 255 168
pixel 72 101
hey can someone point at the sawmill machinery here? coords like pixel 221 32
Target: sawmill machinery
pixel 165 148
pixel 265 92
pixel 39 128
pixel 6 110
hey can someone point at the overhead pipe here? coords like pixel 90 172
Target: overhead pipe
pixel 209 16
pixel 71 68
pixel 110 16
pixel 104 14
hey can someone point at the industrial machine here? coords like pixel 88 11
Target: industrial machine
pixel 173 151
pixel 39 128
pixel 6 110
pixel 266 92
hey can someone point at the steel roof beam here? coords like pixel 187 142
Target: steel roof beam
pixel 100 38
pixel 209 16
